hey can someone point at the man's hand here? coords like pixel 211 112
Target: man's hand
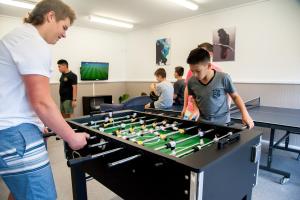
pixel 147 106
pixel 74 104
pixel 78 140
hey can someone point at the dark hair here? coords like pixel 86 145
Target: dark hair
pixel 144 94
pixel 63 62
pixel 61 10
pixel 207 46
pixel 179 70
pixel 198 55
pixel 160 72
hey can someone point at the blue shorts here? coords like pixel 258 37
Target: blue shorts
pixel 24 163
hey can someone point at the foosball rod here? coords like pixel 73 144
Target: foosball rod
pixel 97 144
pixel 136 134
pixel 200 146
pixel 149 120
pixel 146 132
pixel 103 120
pixel 166 135
pixel 118 122
pixel 125 160
pixel 183 140
pixel 79 160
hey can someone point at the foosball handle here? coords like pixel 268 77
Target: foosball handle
pixel 79 160
pixel 228 140
pixel 122 161
pixel 50 134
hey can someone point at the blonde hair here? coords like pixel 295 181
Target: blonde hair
pixel 61 10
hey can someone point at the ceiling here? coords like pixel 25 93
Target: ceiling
pixel 142 13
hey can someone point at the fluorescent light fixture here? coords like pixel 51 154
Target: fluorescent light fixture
pixel 186 4
pixel 20 4
pixel 112 22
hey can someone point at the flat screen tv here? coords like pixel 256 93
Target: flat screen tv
pixel 93 71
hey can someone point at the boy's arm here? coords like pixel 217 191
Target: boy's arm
pixel 246 119
pixel 185 102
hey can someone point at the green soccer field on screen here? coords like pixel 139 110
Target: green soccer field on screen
pixel 90 71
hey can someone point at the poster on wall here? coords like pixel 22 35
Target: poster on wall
pixel 163 51
pixel 224 44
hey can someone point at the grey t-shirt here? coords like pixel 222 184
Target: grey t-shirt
pixel 212 98
pixel 165 92
pixel 179 86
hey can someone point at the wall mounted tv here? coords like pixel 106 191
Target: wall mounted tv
pixel 93 71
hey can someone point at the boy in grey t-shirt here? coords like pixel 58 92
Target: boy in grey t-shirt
pixel 162 91
pixel 210 89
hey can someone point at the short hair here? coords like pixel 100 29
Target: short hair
pixel 198 55
pixel 160 72
pixel 63 62
pixel 209 47
pixel 61 10
pixel 179 70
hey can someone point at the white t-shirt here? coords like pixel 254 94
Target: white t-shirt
pixel 22 51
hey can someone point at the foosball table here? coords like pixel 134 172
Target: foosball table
pixel 146 156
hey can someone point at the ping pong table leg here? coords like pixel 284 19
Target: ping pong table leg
pixel 287 141
pixel 270 151
pixel 286 175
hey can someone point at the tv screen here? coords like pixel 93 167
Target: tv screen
pixel 91 71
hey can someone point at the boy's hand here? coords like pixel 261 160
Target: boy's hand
pixel 247 120
pixel 182 113
pixel 153 87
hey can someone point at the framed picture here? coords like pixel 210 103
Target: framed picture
pixel 224 44
pixel 163 51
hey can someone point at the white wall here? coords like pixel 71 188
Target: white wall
pixel 83 44
pixel 267 42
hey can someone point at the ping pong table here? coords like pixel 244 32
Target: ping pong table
pixel 275 118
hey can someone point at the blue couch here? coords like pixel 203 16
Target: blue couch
pixel 135 103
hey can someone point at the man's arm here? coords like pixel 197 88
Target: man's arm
pixel 74 91
pixel 38 92
pixel 246 119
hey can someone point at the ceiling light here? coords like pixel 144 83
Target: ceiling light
pixel 112 22
pixel 20 4
pixel 186 4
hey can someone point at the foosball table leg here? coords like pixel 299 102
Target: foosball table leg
pixel 78 183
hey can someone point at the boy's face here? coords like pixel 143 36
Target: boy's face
pixel 200 70
pixel 56 29
pixel 176 75
pixel 159 78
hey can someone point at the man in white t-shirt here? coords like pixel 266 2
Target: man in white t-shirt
pixel 26 102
